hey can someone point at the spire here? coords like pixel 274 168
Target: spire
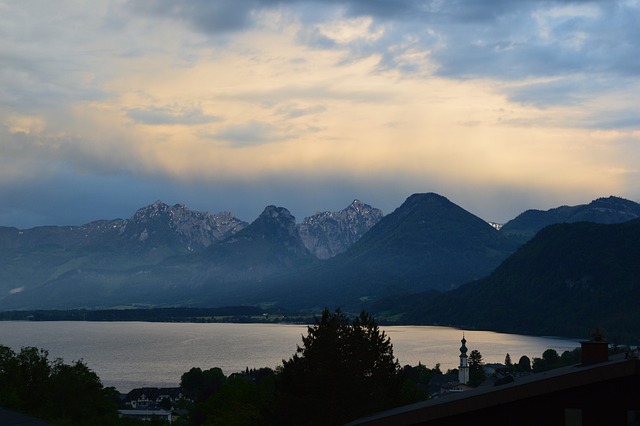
pixel 463 348
pixel 463 369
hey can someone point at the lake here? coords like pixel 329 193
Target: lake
pixel 128 355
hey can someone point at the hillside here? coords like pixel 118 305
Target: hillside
pixel 566 280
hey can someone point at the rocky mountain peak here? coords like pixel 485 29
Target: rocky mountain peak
pixel 277 212
pixel 148 213
pixel 177 224
pixel 274 229
pixel 327 234
pixel 276 217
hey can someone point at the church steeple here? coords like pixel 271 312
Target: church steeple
pixel 463 369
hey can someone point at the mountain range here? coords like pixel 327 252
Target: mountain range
pixel 427 250
pixel 146 258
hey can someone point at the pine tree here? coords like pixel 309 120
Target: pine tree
pixel 507 360
pixel 343 370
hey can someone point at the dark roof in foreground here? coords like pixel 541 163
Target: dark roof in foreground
pixel 11 418
pixel 568 380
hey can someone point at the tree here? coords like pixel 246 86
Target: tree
pixel 239 402
pixel 551 356
pixel 416 380
pixel 476 372
pixel 507 360
pixel 343 370
pixel 52 390
pixel 550 359
pixel 524 364
pixel 475 360
pixel 199 385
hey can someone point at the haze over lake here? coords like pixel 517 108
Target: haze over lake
pixel 127 355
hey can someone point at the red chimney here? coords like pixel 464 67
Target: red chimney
pixel 593 352
pixel 596 349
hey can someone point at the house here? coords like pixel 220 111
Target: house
pixel 442 384
pixel 495 370
pixel 598 391
pixel 153 398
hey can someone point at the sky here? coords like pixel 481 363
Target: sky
pixel 501 106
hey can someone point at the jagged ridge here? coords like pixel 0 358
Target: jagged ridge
pixel 327 234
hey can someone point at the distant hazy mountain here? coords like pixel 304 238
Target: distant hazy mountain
pixel 566 280
pixel 603 210
pixel 426 243
pixel 224 271
pixel 327 234
pixel 157 227
pixel 32 257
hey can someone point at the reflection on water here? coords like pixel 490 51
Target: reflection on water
pixel 135 354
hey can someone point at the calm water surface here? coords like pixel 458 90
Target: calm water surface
pixel 127 355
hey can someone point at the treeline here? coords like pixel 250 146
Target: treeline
pixel 222 314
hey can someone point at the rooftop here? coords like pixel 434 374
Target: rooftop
pixel 561 381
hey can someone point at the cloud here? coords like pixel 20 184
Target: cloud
pixel 620 119
pixel 544 39
pixel 170 116
pixel 293 111
pixel 207 16
pixel 251 133
pixel 466 39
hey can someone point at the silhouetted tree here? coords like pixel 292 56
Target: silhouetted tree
pixel 524 364
pixel 476 372
pixel 200 385
pixel 550 359
pixel 416 381
pixel 239 402
pixel 343 370
pixel 475 360
pixel 54 391
pixel 507 360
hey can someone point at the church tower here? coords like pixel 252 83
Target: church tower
pixel 463 369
